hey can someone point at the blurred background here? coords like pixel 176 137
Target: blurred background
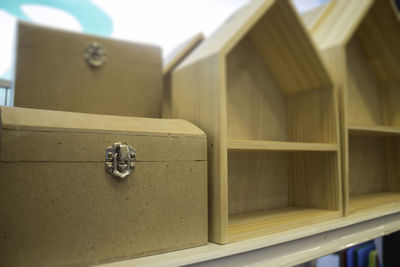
pixel 165 23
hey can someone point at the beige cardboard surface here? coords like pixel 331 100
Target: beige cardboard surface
pixel 66 213
pixel 51 73
pixel 58 206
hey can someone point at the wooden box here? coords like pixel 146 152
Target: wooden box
pixel 360 42
pixel 259 90
pixel 59 205
pixel 53 71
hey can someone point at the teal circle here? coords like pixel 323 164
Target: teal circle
pixel 93 19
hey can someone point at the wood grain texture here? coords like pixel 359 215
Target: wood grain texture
pixel 313 180
pixel 367 165
pixel 60 207
pixel 316 16
pixel 364 99
pixel 258 84
pixel 357 40
pixel 288 51
pixel 257 181
pixel 312 116
pixel 230 32
pixel 197 97
pixel 374 130
pixel 179 53
pixel 256 105
pixel 170 63
pixel 338 24
pixel 251 225
pixel 249 145
pixel 366 202
pixel 51 73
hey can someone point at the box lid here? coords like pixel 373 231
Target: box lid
pixel 43 135
pixel 48 38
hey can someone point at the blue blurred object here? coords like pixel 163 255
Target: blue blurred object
pixel 363 254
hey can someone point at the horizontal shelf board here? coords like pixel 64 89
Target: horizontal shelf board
pixel 289 248
pixel 255 224
pixel 367 202
pixel 279 146
pixel 374 130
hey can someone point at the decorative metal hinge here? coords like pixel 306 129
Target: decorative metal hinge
pixel 120 160
pixel 95 55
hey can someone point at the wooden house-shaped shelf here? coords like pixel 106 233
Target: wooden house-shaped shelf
pixel 259 89
pixel 360 42
pixel 170 63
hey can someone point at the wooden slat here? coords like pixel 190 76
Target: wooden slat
pixel 180 52
pixel 374 130
pixel 279 146
pixel 367 201
pixel 248 225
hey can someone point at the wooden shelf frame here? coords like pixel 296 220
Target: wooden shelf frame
pixel 374 130
pixel 257 49
pixel 279 146
pixel 358 41
pixel 289 248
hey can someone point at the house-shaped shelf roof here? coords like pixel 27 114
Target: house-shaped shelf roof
pixel 173 59
pixel 278 34
pixel 376 24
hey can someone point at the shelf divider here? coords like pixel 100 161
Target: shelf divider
pixel 373 130
pixel 246 145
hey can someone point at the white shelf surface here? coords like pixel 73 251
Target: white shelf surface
pixel 276 250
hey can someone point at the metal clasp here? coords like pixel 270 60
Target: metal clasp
pixel 95 55
pixel 120 160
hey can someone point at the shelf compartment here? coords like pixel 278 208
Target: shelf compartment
pixel 235 86
pixel 254 224
pixel 279 146
pixel 374 171
pixel 373 130
pixel 280 184
pixel 368 201
pixel 261 105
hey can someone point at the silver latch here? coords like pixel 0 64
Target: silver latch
pixel 120 160
pixel 95 55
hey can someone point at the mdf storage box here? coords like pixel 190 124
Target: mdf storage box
pixel 172 60
pixel 61 70
pixel 360 42
pixel 259 90
pixel 59 205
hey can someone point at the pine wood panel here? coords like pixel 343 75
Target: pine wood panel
pixel 274 37
pixel 258 83
pixel 364 98
pixel 312 116
pixel 251 225
pixel 170 63
pixel 313 180
pixel 374 130
pixel 256 104
pixel 358 40
pixel 257 181
pixel 367 165
pixel 198 98
pixel 378 200
pixel 234 144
